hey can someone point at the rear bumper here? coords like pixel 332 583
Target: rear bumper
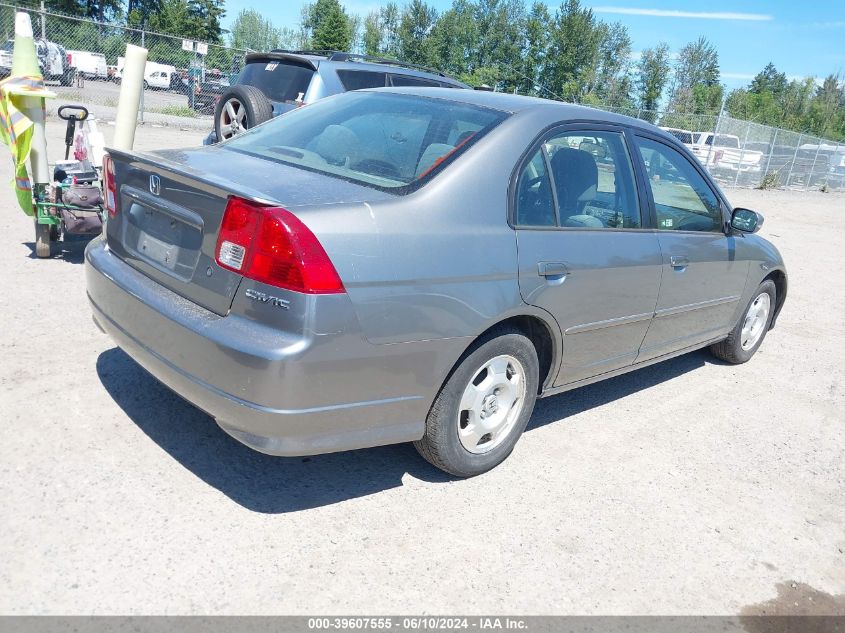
pixel 278 393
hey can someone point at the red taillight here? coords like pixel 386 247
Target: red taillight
pixel 271 245
pixel 109 186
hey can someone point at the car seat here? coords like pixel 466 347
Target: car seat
pixel 576 182
pixel 337 144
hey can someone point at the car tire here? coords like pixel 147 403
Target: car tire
pixel 146 85
pixel 42 240
pixel 68 77
pixel 748 334
pixel 484 405
pixel 240 108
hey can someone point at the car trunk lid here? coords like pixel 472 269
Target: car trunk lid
pixel 171 205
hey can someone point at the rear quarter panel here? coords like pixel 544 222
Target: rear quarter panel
pixel 440 262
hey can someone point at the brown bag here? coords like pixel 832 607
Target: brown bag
pixel 81 222
pixel 82 195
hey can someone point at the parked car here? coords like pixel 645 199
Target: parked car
pixel 400 265
pixel 89 65
pixel 156 76
pixel 208 93
pixel 52 60
pixel 273 83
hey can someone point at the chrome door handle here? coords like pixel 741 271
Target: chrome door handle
pixel 679 261
pixel 552 269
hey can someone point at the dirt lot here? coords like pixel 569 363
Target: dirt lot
pixel 687 487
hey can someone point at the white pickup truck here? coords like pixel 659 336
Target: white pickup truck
pixel 724 154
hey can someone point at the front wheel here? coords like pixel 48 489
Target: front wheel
pixel 484 406
pixel 748 334
pixel 42 240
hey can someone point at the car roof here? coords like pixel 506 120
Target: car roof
pixel 339 60
pixel 512 103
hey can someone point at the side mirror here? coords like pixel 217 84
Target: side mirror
pixel 746 220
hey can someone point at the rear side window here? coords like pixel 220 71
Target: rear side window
pixel 360 79
pixel 407 80
pixel 389 141
pixel 279 81
pixel 591 182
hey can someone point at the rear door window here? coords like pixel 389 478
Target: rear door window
pixel 407 80
pixel 280 81
pixel 360 79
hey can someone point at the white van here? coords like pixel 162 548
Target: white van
pixel 155 75
pixel 89 65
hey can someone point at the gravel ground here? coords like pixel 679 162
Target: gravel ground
pixel 689 487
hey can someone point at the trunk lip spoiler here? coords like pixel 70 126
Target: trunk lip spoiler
pixel 162 164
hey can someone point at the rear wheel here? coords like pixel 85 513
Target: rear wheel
pixel 239 109
pixel 748 334
pixel 484 406
pixel 42 240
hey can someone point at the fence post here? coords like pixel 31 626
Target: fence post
pixel 715 133
pixel 143 92
pixel 742 153
pixel 792 164
pixel 813 168
pixel 771 151
pixel 43 21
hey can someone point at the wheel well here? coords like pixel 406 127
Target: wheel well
pixel 779 279
pixel 538 332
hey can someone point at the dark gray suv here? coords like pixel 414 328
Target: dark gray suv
pixel 273 83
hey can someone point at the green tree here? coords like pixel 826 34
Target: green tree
pixel 252 31
pixel 372 34
pixel 826 116
pixel 391 18
pixel 535 37
pixel 613 84
pixel 454 40
pixel 415 27
pixel 769 80
pixel 330 26
pixel 572 59
pixel 696 87
pixel 653 71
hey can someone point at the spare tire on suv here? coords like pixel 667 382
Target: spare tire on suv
pixel 241 107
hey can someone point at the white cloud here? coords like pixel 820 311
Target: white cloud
pixel 737 76
pixel 695 15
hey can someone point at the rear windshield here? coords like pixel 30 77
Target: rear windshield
pixel 388 141
pixel 279 81
pixel 723 140
pixel 682 136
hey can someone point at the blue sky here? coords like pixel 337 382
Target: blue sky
pixel 800 38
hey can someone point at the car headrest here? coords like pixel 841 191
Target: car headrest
pixel 576 179
pixel 430 156
pixel 337 144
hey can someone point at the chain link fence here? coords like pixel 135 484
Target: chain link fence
pixel 742 153
pixel 83 59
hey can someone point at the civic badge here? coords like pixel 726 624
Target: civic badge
pixel 155 184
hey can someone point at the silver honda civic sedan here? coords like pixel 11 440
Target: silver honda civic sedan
pixel 420 265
